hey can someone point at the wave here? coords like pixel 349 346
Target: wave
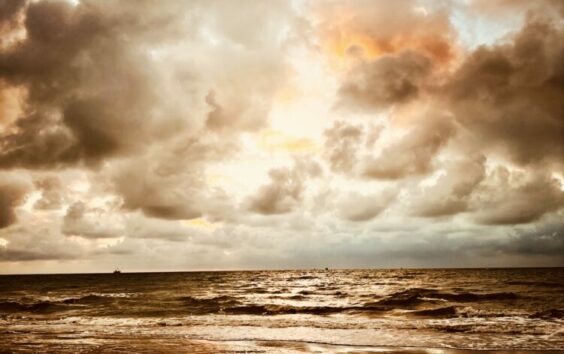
pixel 549 314
pixel 297 297
pixel 48 306
pixel 402 299
pixel 420 301
pixel 256 290
pixel 307 292
pixel 87 299
pixel 303 277
pixel 39 307
pixel 11 306
pixel 285 310
pixel 200 306
pixel 547 284
pixel 471 297
pixel 203 301
pixel 419 296
pixel 436 312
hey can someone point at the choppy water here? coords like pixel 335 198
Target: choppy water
pixel 284 311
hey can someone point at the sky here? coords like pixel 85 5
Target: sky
pixel 209 135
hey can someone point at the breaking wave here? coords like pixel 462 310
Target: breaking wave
pixel 38 307
pixel 417 296
pixel 49 306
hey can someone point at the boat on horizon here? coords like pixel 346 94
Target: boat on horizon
pixel 117 271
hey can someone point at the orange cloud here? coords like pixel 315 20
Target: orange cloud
pixel 346 42
pixel 361 31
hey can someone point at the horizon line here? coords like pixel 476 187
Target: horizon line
pixel 285 269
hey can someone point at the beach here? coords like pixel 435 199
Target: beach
pixel 298 311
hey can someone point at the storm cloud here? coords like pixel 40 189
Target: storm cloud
pixel 213 135
pixel 12 193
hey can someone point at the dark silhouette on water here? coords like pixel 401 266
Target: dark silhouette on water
pixel 117 271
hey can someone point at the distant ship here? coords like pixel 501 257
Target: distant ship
pixel 117 271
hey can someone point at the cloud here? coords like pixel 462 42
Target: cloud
pixel 72 113
pixel 136 131
pixel 359 207
pixel 97 86
pixel 141 227
pixel 385 81
pixel 501 101
pixel 390 27
pixel 450 194
pixel 92 222
pixel 510 95
pixel 540 240
pixel 341 144
pixel 52 196
pixel 499 7
pixel 516 197
pixel 413 153
pixel 36 240
pixel 169 182
pixel 285 189
pixel 13 190
pixel 507 96
pixel 9 13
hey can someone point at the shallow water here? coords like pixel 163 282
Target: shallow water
pixel 284 311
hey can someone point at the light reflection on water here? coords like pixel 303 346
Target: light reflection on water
pixel 285 311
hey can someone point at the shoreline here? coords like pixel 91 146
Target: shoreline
pixel 164 345
pixel 270 346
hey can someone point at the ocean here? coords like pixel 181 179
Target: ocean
pixel 287 311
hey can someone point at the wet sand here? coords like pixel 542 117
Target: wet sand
pixel 304 347
pixel 159 345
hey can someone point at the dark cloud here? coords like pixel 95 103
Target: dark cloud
pixel 385 81
pixel 115 115
pixel 541 245
pixel 507 96
pixel 546 240
pixel 38 140
pixel 508 198
pixel 341 144
pixel 7 255
pixel 358 151
pixel 413 153
pixel 13 191
pixel 88 88
pixel 96 88
pixel 9 13
pixel 450 194
pixel 510 95
pixel 502 101
pixel 138 90
pixel 284 192
pixel 169 181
